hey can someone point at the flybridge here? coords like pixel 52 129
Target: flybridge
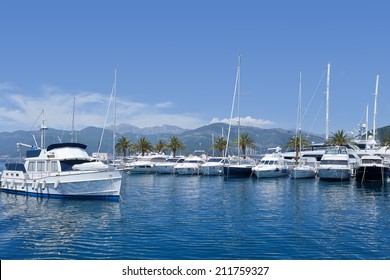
pixel 66 145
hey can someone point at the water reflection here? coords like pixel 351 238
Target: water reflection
pixel 195 217
pixel 52 228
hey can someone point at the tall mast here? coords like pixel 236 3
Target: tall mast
pixel 376 96
pixel 327 104
pixel 366 128
pixel 236 90
pixel 299 121
pixel 299 124
pixel 73 132
pixel 238 107
pixel 114 117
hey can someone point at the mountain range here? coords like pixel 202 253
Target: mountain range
pixel 196 139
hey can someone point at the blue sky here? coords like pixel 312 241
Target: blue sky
pixel 176 62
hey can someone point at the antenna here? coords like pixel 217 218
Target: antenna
pixel 43 129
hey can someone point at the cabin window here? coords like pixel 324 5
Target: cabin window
pixel 40 166
pixel 54 166
pixel 66 165
pixel 31 166
pixel 335 162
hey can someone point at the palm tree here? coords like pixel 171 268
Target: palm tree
pixel 385 141
pixel 297 143
pixel 123 145
pixel 339 138
pixel 220 145
pixel 161 146
pixel 175 144
pixel 144 145
pixel 246 141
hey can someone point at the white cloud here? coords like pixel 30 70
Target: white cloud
pixel 6 86
pixel 164 105
pixel 246 121
pixel 188 120
pixel 20 111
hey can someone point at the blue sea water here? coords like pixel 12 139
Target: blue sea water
pixel 195 217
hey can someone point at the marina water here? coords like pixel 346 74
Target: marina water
pixel 199 217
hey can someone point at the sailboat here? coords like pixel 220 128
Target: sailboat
pixel 237 166
pixel 317 150
pixel 369 144
pixel 115 164
pixel 303 167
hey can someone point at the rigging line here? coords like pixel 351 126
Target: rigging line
pixel 231 112
pixel 315 92
pixel 40 115
pixel 363 122
pixel 105 121
pixel 66 123
pixel 315 119
pixel 26 135
pixel 34 125
pixel 363 116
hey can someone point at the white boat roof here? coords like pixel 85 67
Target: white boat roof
pixel 66 145
pixel 60 151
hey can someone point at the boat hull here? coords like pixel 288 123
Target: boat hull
pixel 164 169
pixel 334 174
pixel 302 173
pixel 211 170
pixel 372 173
pixel 237 171
pixel 141 169
pixel 186 170
pixel 270 173
pixel 82 184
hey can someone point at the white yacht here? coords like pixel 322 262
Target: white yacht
pixel 62 170
pixel 334 164
pixel 190 166
pixel 213 166
pixel 167 167
pixel 372 168
pixel 271 165
pixel 239 167
pixel 145 164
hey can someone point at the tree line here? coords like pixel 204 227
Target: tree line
pixel 124 146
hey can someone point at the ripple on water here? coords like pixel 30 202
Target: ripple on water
pixel 194 217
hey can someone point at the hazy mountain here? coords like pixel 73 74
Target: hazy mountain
pixel 165 129
pixel 200 138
